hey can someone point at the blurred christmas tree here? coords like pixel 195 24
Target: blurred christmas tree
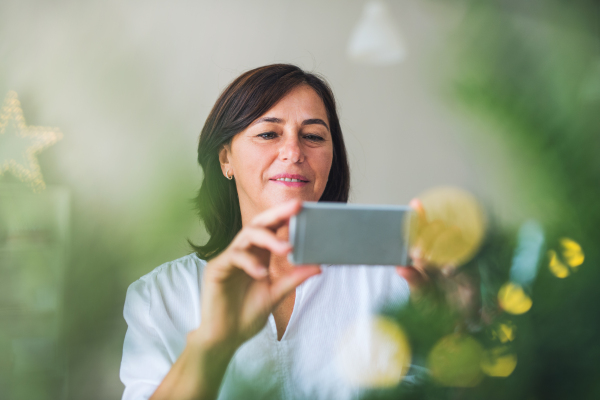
pixel 532 71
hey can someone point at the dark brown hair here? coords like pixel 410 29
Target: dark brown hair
pixel 247 98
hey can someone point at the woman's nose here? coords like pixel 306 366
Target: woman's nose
pixel 291 150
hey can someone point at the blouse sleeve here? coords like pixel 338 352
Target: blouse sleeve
pixel 145 357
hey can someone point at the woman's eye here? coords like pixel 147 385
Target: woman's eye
pixel 267 135
pixel 314 138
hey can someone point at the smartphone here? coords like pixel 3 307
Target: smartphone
pixel 350 234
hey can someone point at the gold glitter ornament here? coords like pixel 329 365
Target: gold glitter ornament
pixel 20 144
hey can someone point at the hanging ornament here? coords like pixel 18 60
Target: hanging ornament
pixel 376 40
pixel 20 144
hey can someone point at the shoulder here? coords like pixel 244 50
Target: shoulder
pixel 170 291
pixel 172 274
pixel 160 308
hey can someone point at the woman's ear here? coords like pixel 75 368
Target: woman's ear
pixel 224 156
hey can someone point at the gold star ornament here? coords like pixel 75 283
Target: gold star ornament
pixel 20 144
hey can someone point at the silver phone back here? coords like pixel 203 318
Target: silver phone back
pixel 350 234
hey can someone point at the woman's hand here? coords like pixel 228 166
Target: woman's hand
pixel 457 289
pixel 237 296
pixel 237 293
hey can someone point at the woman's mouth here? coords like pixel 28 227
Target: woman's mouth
pixel 290 180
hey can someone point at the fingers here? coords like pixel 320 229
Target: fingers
pixel 250 251
pixel 416 205
pixel 286 283
pixel 277 216
pixel 250 264
pixel 262 238
pixel 416 278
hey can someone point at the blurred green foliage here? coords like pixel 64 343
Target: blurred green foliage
pixel 532 70
pixel 537 76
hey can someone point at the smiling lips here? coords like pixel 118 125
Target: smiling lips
pixel 290 180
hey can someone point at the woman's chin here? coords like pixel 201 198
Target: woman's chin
pixel 287 195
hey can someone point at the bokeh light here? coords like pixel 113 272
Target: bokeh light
pixel 513 299
pixel 374 353
pixel 455 361
pixel 498 362
pixel 504 332
pixel 450 228
pixel 556 266
pixel 572 258
pixel 525 262
pixel 572 252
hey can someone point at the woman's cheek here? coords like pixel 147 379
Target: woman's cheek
pixel 326 160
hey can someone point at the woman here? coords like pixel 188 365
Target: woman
pixel 235 319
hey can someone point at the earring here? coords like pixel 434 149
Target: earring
pixel 227 175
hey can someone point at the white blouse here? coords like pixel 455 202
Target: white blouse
pixel 164 305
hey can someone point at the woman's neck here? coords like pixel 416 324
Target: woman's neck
pixel 278 263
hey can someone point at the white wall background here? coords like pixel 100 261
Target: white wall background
pixel 130 84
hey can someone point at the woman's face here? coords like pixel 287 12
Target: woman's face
pixel 285 154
